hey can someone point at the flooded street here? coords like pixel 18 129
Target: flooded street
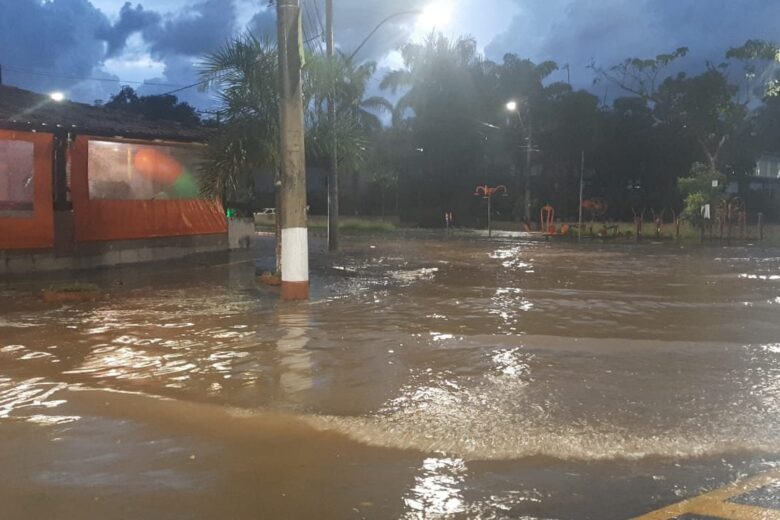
pixel 426 378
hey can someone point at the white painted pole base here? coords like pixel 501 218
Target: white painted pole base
pixel 295 264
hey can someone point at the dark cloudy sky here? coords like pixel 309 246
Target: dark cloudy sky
pixel 58 44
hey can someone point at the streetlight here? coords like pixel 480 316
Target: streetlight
pixel 57 96
pixel 433 15
pixel 380 24
pixel 512 106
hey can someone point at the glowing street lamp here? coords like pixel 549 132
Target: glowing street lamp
pixel 486 192
pixel 57 96
pixel 511 106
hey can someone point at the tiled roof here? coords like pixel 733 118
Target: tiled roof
pixel 25 110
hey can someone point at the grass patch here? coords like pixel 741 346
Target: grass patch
pixel 367 226
pixel 320 223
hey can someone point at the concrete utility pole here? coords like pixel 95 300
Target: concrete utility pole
pixel 333 174
pixel 295 241
pixel 527 194
pixel 582 175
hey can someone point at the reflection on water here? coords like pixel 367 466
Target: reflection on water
pixel 436 492
pixel 32 400
pixel 463 351
pixel 295 360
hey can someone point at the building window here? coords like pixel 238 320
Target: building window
pixel 17 172
pixel 125 171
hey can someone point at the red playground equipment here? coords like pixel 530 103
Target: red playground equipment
pixel 547 220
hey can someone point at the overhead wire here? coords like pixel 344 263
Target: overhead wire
pixel 313 28
pixel 201 82
pixel 319 16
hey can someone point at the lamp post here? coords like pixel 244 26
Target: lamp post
pixel 380 24
pixel 434 14
pixel 486 192
pixel 513 107
pixel 333 177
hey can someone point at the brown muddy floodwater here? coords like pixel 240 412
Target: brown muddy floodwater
pixel 426 378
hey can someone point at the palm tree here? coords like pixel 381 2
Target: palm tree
pixel 442 102
pixel 356 121
pixel 245 71
pixel 247 140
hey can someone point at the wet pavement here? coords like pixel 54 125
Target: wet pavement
pixel 426 378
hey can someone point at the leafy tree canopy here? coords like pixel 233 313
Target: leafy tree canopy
pixel 156 107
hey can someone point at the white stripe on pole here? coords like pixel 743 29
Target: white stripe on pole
pixel 295 255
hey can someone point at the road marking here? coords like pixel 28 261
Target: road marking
pixel 716 504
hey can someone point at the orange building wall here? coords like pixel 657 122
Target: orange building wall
pixel 97 220
pixel 35 231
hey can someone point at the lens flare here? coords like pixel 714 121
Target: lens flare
pixel 435 16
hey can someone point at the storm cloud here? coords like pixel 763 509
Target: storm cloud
pixel 204 26
pixel 46 45
pixel 608 31
pixel 131 20
pixel 61 37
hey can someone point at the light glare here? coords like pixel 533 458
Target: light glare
pixel 511 106
pixel 57 96
pixel 435 15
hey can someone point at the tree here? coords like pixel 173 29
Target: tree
pixel 356 123
pixel 703 185
pixel 639 76
pixel 157 107
pixel 572 121
pixel 704 108
pixel 758 59
pixel 247 140
pixel 441 104
pixel 521 81
pixel 245 70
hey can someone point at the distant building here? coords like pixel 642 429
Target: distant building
pixel 82 185
pixel 767 166
pixel 761 190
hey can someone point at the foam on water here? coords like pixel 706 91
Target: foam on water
pixel 473 440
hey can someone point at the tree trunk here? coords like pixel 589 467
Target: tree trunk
pixel 712 157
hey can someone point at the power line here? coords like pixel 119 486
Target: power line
pixel 319 16
pixel 306 26
pixel 201 82
pixel 313 38
pixel 320 25
pixel 22 70
pixel 313 28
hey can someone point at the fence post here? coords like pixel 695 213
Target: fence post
pixel 760 226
